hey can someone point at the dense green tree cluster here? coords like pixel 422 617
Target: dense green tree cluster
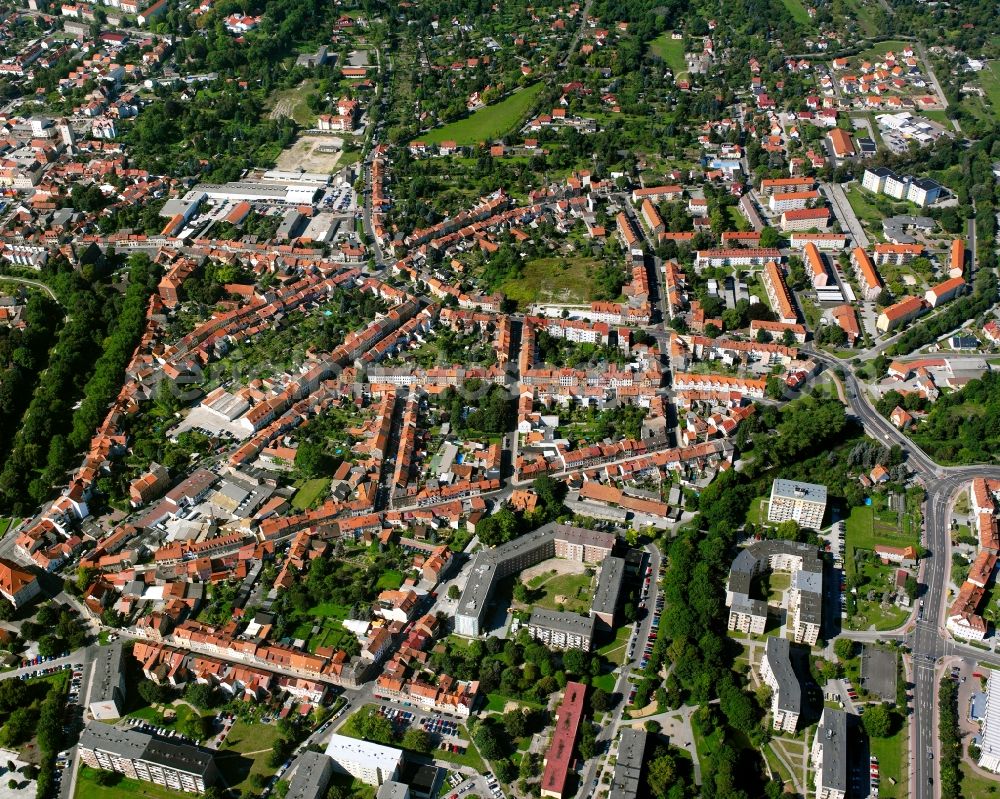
pixel 86 363
pixel 23 355
pixel 950 433
pixel 951 740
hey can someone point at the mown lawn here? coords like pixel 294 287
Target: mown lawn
pixel 487 123
pixel 671 51
pixel 798 11
pixel 615 650
pixel 245 752
pixel 309 492
pixel 989 79
pixel 573 589
pixel 390 580
pixel 561 280
pixel 892 759
pixel 124 788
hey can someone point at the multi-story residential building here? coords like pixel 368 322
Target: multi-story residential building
pixel 900 313
pixel 805 503
pixel 141 756
pixel 311 774
pixel 786 693
pixel 369 762
pixel 559 756
pixel 626 782
pixel 791 200
pixel 107 694
pixel 897 254
pixel 829 755
pixel 868 276
pixel 492 565
pixel 17 585
pixel 727 256
pixel 609 587
pixel 804 599
pixel 562 630
pixel 814 261
pixel 778 294
pixel 920 191
pixel 806 219
pixel 989 745
pixel 944 291
pixel 769 186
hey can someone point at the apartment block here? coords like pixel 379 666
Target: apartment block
pixel 804 598
pixel 804 503
pixel 829 755
pixel 989 746
pixel 562 630
pixel 141 756
pixel 786 693
pixel 371 763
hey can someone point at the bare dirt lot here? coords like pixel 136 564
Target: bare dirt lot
pixel 308 154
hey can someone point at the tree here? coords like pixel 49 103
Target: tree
pixel 201 696
pixel 601 701
pixel 775 388
pixel 878 721
pixel 575 661
pixel 662 774
pixel 49 646
pixel 453 592
pixel 515 723
pixel 487 740
pixel 417 740
pixel 787 530
pixel 197 727
pixel 844 648
pixel 911 587
pixel 770 237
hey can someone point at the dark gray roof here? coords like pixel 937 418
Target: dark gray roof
pixel 832 734
pixel 625 783
pixel 789 694
pixel 311 775
pixel 808 580
pixel 108 669
pixel 609 585
pixel 143 746
pixel 572 623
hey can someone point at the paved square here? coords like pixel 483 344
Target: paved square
pixel 878 672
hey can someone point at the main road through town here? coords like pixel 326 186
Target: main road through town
pixel 928 642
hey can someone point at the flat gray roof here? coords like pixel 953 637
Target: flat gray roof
pixel 311 776
pixel 136 745
pixel 794 489
pixel 778 657
pixel 832 734
pixel 572 623
pixel 609 585
pixel 628 767
pixel 108 669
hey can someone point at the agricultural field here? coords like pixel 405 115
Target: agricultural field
pixel 487 123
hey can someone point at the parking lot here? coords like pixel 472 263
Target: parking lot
pixel 878 672
pixel 654 628
pixel 444 732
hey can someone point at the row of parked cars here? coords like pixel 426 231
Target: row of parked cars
pixel 654 627
pixel 440 726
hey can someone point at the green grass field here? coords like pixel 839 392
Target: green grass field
pixel 876 51
pixel 331 610
pixel 309 492
pixel 615 650
pixel 976 785
pixel 487 123
pixel 562 280
pixel 245 752
pixel 5 525
pixel 573 588
pixel 892 759
pixel 390 580
pixel 124 788
pixel 798 12
pixel 989 79
pixel 671 51
pixel 862 204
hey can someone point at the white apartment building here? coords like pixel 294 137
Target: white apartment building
pixel 989 746
pixel 829 755
pixel 562 630
pixel 786 693
pixel 371 763
pixel 804 503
